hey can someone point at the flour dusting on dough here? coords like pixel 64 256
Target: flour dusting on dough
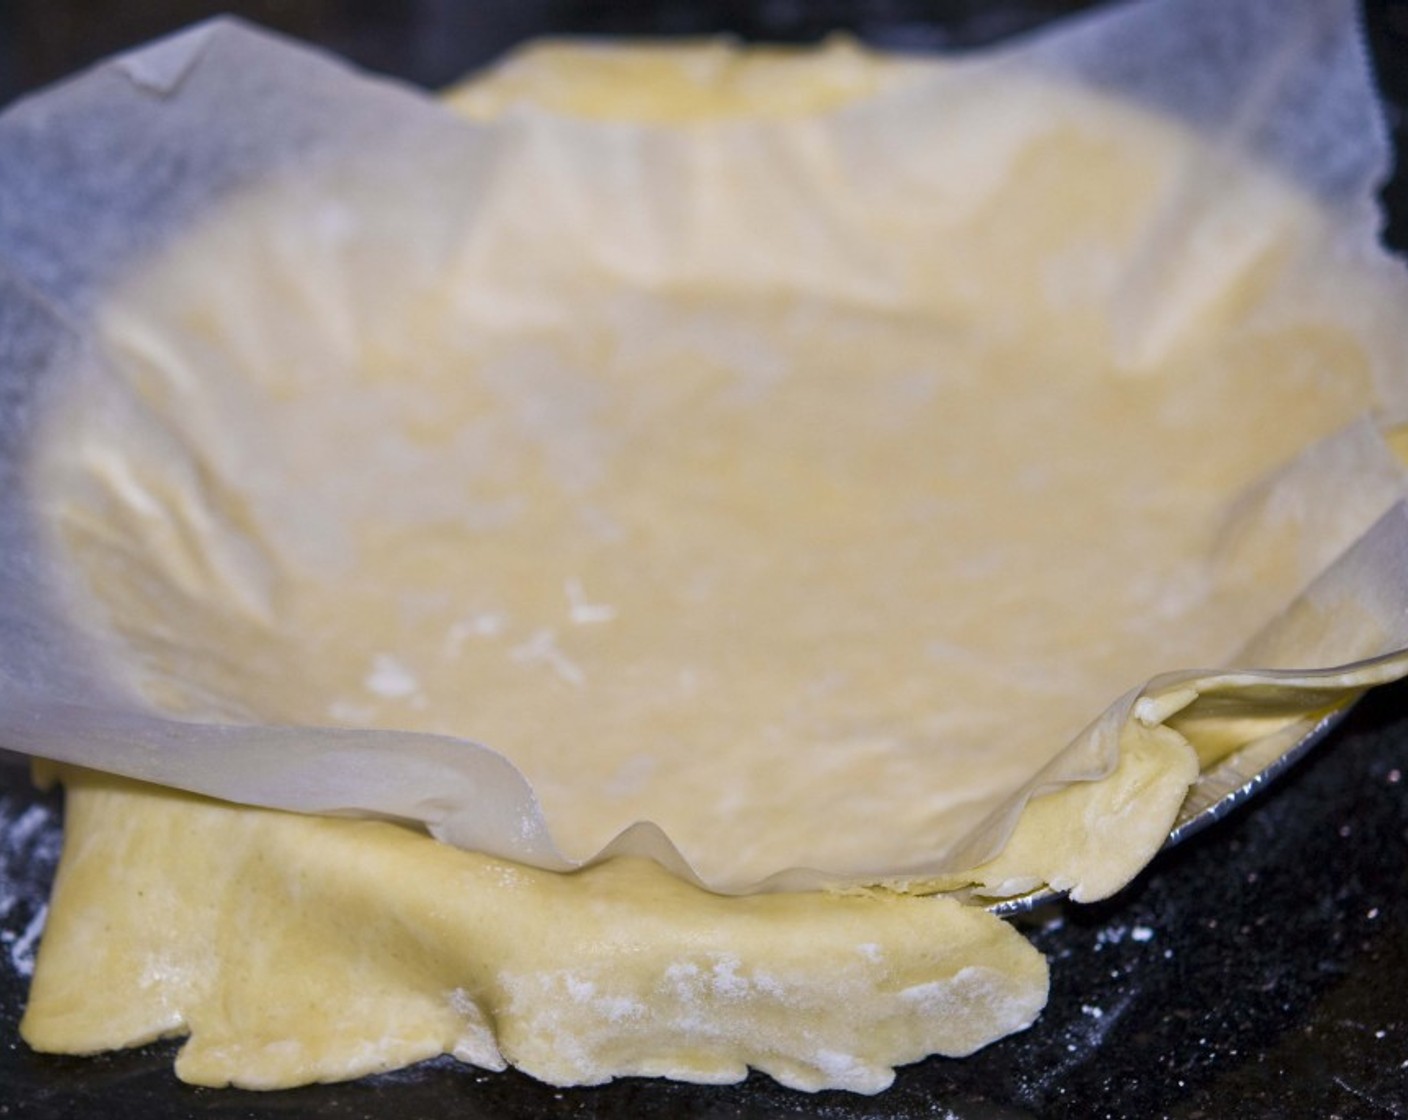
pixel 390 678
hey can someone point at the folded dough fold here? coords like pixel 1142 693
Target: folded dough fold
pixel 295 949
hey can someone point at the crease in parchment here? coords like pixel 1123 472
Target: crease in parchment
pixel 161 67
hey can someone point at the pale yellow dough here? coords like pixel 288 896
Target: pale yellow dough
pixel 809 519
pixel 298 949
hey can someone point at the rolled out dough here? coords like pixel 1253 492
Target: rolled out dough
pixel 723 471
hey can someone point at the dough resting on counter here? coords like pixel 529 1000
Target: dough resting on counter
pixel 297 949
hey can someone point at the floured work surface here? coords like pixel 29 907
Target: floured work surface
pixel 724 475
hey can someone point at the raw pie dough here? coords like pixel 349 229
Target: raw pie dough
pixel 815 566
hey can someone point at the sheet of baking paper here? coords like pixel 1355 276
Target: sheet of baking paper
pixel 107 173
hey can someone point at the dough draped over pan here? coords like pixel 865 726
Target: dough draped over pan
pixel 727 466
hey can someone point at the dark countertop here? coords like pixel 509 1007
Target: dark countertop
pixel 1259 971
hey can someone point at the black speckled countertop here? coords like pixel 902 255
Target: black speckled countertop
pixel 1259 971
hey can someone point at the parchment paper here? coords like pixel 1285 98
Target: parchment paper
pixel 98 174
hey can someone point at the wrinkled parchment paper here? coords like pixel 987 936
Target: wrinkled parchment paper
pixel 104 171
